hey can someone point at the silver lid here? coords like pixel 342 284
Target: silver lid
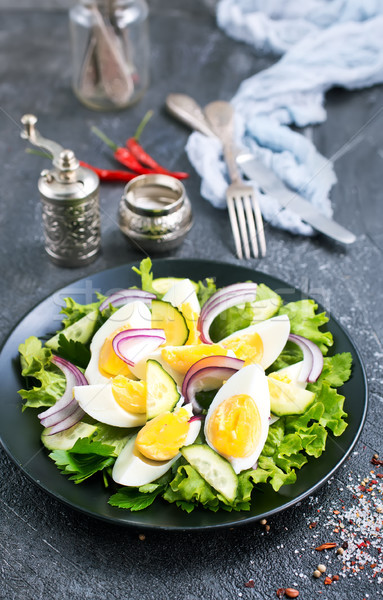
pixel 154 195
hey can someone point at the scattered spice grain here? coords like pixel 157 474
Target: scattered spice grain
pixel 291 593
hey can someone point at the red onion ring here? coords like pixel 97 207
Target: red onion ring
pixel 312 358
pixel 66 411
pixel 124 296
pixel 208 374
pixel 235 288
pixel 195 418
pixel 133 344
pixel 68 422
pixel 219 305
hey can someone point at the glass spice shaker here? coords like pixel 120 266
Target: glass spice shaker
pixel 110 52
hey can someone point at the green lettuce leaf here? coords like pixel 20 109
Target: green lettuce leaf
pixel 83 460
pixel 336 370
pixel 206 289
pixel 189 487
pixel 74 311
pixel 145 272
pixel 306 322
pixel 36 364
pixel 333 414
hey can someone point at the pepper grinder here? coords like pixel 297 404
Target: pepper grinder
pixel 69 195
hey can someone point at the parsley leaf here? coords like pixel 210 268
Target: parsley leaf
pixel 133 498
pixel 139 498
pixel 84 459
pixel 76 352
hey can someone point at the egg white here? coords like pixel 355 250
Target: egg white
pixel 133 469
pixel 273 333
pixel 139 369
pixel 293 372
pixel 252 381
pixel 134 315
pixel 98 402
pixel 183 292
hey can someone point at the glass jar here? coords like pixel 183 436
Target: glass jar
pixel 110 52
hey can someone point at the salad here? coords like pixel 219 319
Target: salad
pixel 185 392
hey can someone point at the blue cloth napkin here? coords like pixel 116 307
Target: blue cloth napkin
pixel 325 43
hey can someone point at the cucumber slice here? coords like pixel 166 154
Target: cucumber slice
pixel 288 398
pixel 81 331
pixel 161 390
pixel 163 284
pixel 264 309
pixel 171 320
pixel 65 440
pixel 215 469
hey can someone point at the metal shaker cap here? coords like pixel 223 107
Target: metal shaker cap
pixel 70 203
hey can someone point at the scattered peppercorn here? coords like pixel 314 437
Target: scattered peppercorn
pixel 335 577
pixel 340 551
pixel 267 527
pixel 141 537
pixel 313 525
pixel 263 521
pixel 321 568
pixel 250 583
pixel 317 573
pixel 280 592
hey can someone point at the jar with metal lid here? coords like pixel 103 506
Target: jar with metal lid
pixel 155 212
pixel 110 52
pixel 69 196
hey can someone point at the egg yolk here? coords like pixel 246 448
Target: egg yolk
pixel 181 358
pixel 191 318
pixel 234 428
pixel 162 437
pixel 129 394
pixel 246 347
pixel 109 364
pixel 280 377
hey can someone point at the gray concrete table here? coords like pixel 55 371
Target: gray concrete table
pixel 49 551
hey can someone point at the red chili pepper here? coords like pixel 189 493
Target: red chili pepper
pixel 141 155
pixel 125 157
pixel 109 175
pixel 133 160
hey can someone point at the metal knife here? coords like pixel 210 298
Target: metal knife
pixel 270 183
pixel 187 110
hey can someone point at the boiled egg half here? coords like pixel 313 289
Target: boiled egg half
pixel 237 422
pixel 104 363
pixel 120 402
pixel 150 454
pixel 261 343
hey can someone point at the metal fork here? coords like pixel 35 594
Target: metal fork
pixel 244 212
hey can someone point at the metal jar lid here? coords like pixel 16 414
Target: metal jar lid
pixel 155 212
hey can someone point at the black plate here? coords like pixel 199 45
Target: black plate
pixel 20 432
